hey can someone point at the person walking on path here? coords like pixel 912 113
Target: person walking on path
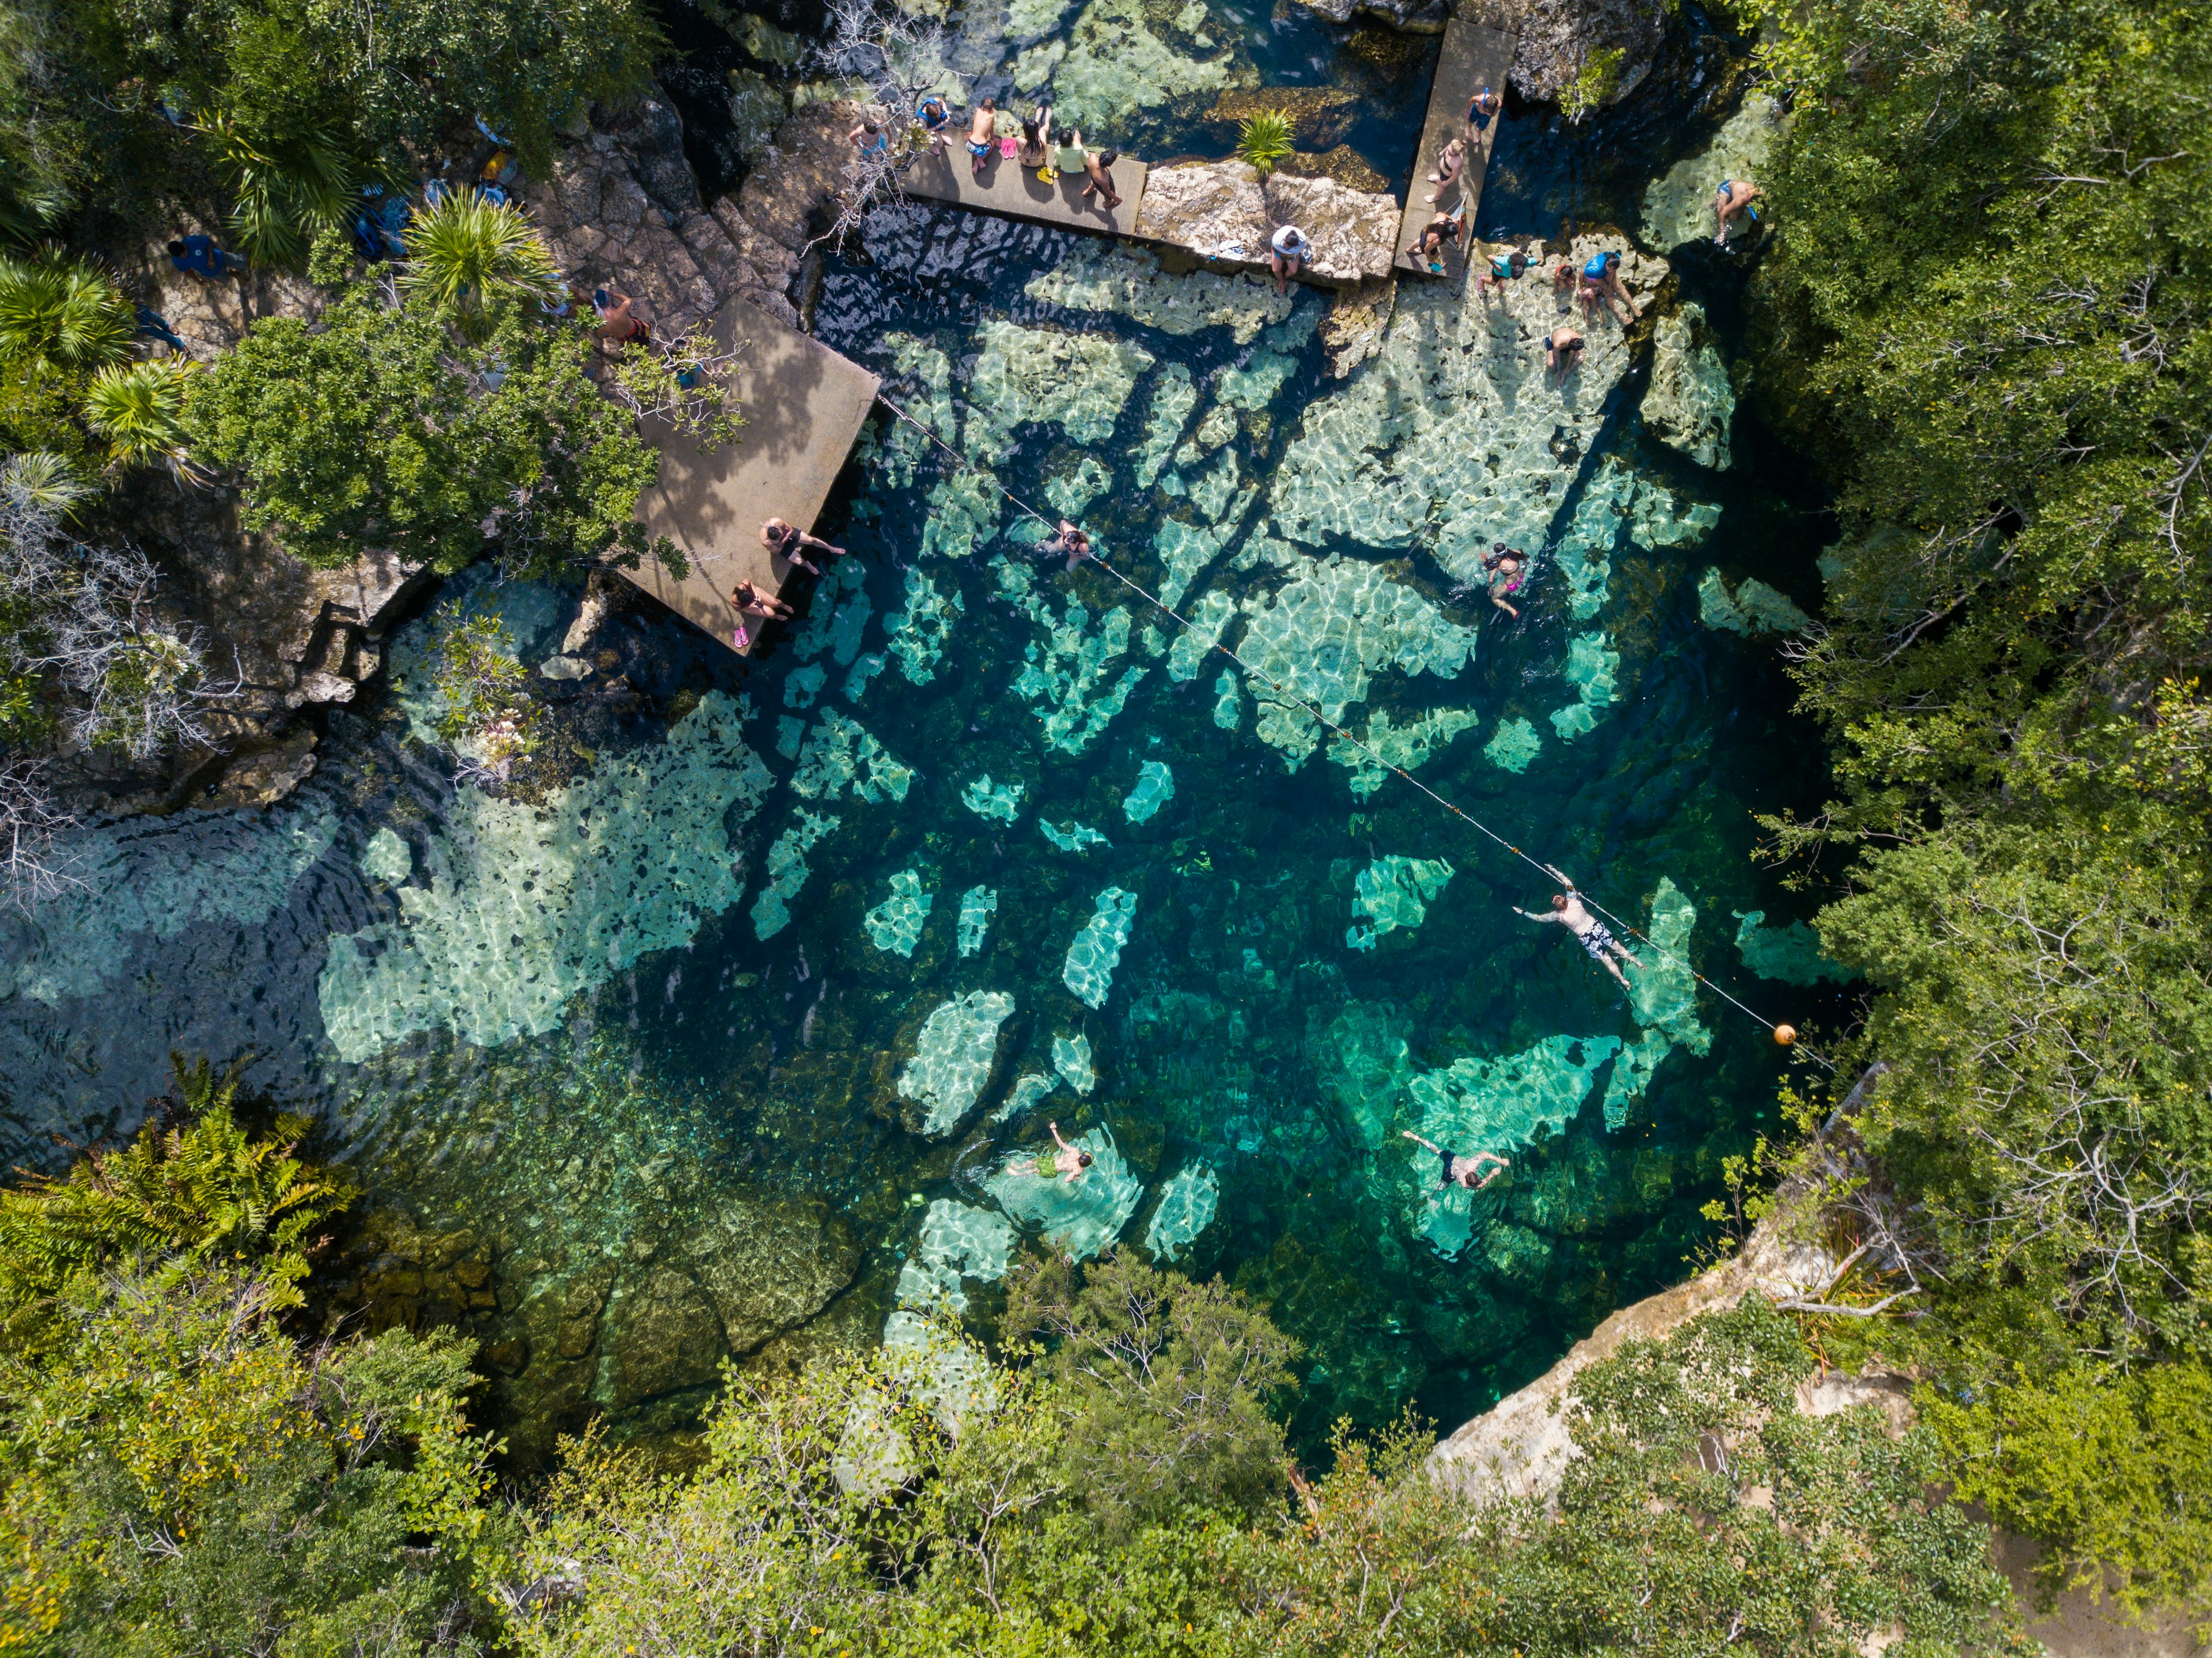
pixel 1068 1160
pixel 1506 265
pixel 1101 169
pixel 152 326
pixel 1449 161
pixel 788 541
pixel 1461 1171
pixel 1595 938
pixel 1730 202
pixel 983 135
pixel 1480 110
pixel 1289 251
pixel 199 256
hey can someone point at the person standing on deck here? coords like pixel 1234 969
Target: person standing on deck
pixel 983 134
pixel 1480 109
pixel 1449 161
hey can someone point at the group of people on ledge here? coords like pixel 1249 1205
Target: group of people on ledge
pixel 1046 149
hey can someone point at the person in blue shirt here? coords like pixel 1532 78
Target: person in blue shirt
pixel 1480 109
pixel 934 117
pixel 201 257
pixel 1601 281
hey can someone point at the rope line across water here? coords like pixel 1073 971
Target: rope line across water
pixel 1286 695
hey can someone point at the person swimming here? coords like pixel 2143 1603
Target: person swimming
pixel 1459 1171
pixel 1069 1160
pixel 1507 567
pixel 1595 937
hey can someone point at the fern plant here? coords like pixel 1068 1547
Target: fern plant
pixel 470 256
pixel 139 408
pixel 63 311
pixel 1263 140
pixel 187 1195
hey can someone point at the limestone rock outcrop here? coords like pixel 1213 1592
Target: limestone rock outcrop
pixel 1689 405
pixel 1225 211
pixel 1417 16
pixel 1522 1445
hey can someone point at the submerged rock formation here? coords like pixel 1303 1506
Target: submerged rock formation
pixel 1690 402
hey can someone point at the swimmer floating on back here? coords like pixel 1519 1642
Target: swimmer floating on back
pixel 1597 938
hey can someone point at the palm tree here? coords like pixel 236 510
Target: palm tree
pixel 63 311
pixel 42 480
pixel 285 187
pixel 1263 140
pixel 139 408
pixel 469 255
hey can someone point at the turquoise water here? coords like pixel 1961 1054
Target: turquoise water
pixel 734 1026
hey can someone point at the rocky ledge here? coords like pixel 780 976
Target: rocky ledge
pixel 1224 211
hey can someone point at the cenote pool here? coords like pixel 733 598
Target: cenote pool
pixel 735 1025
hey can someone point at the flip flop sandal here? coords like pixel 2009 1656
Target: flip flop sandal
pixel 1008 148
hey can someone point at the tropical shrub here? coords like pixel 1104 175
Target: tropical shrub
pixel 1264 139
pixel 471 258
pixel 375 427
pixel 62 312
pixel 139 410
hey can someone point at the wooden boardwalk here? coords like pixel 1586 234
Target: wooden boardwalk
pixel 803 405
pixel 945 174
pixel 1473 57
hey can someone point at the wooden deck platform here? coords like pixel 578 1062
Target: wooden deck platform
pixel 940 173
pixel 1473 55
pixel 803 405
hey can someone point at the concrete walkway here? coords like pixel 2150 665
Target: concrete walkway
pixel 945 174
pixel 803 405
pixel 1472 57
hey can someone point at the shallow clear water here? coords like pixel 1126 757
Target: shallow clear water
pixel 738 1029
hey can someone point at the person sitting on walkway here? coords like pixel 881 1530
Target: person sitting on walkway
pixel 1506 567
pixel 1730 202
pixel 152 326
pixel 1289 250
pixel 618 326
pixel 1461 1171
pixel 1066 539
pixel 1480 109
pixel 869 139
pixel 1030 154
pixel 199 256
pixel 1601 281
pixel 1101 169
pixel 789 542
pixel 1597 938
pixel 934 118
pixel 983 134
pixel 1449 161
pixel 749 600
pixel 1506 266
pixel 1068 1160
pixel 1068 154
pixel 1563 349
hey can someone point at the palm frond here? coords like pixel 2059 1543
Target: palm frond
pixel 63 310
pixel 468 255
pixel 139 408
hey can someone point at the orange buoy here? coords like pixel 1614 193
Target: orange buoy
pixel 1785 1034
